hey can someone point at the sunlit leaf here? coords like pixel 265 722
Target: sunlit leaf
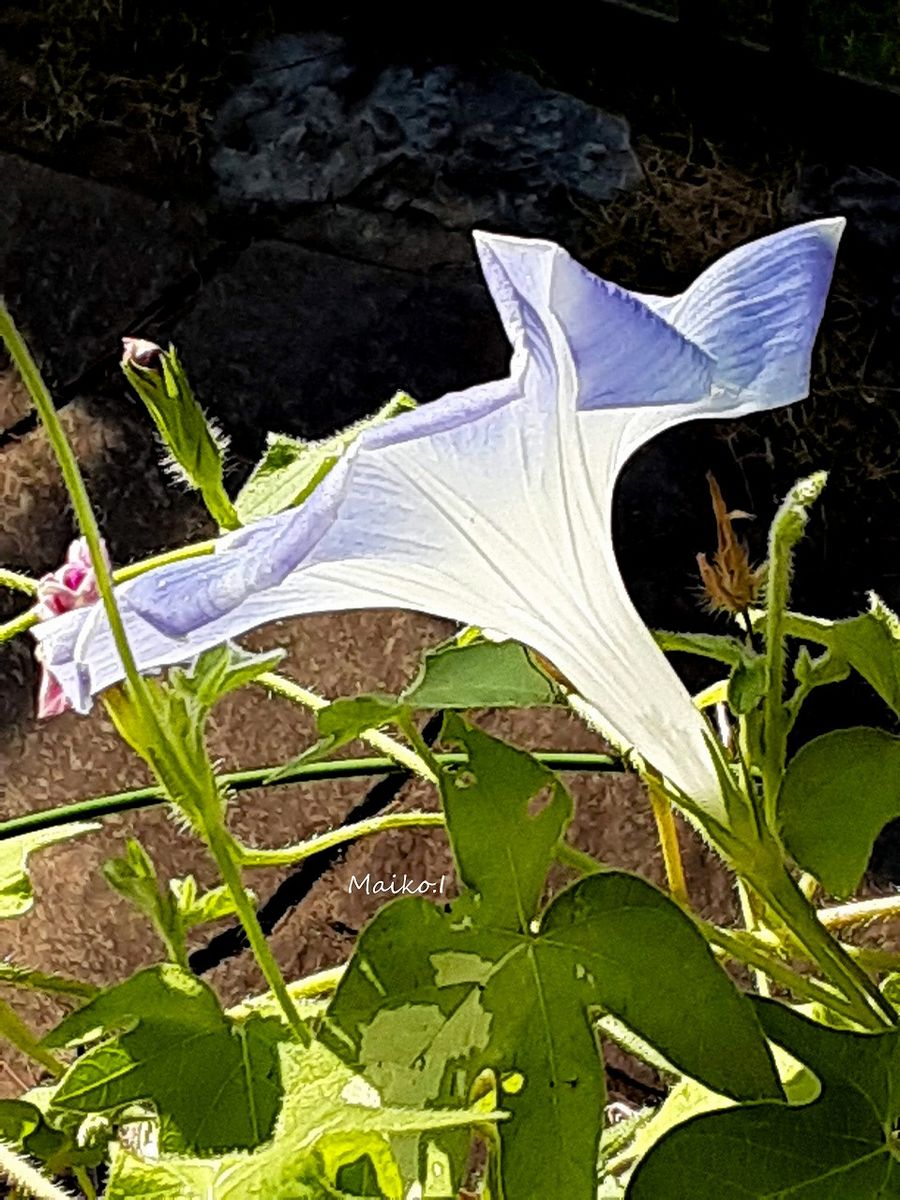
pixel 291 469
pixel 161 1028
pixel 480 675
pixel 16 891
pixel 330 1119
pixel 838 793
pixel 837 1147
pixel 505 813
pixel 611 941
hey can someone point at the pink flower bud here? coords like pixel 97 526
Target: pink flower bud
pixel 73 585
pixel 138 352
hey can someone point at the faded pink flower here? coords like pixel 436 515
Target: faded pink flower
pixel 73 585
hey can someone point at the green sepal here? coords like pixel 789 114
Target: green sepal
pixel 196 446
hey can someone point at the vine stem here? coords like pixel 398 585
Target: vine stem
pixel 289 690
pixel 22 1174
pixel 740 950
pixel 311 987
pixel 15 1031
pixel 774 716
pixel 259 778
pixel 20 624
pixel 74 482
pixel 40 981
pixel 787 530
pixel 18 582
pixel 667 831
pixel 860 912
pixel 751 922
pixel 871 1010
pixel 338 837
pixel 217 837
pixel 227 857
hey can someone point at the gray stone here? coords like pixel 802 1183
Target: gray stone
pixel 496 149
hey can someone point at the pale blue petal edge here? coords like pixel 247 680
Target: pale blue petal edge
pixel 622 354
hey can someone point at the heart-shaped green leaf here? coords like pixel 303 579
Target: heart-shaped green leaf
pixel 838 793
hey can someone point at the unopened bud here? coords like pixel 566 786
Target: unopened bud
pixel 137 352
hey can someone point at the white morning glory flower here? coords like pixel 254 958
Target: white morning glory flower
pixel 493 506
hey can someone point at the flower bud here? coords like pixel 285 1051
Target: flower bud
pixel 137 352
pixel 73 585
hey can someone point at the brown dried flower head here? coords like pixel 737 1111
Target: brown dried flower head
pixel 730 583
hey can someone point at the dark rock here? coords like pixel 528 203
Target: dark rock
pixel 495 149
pixel 81 263
pixel 302 342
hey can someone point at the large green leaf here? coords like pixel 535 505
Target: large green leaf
pixel 16 892
pixel 838 793
pixel 839 1147
pixel 505 813
pixel 330 1119
pixel 517 992
pixel 480 675
pixel 167 1043
pixel 291 469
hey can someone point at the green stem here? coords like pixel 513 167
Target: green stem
pixel 19 624
pixel 227 857
pixel 774 713
pixel 40 981
pixel 744 951
pixel 667 831
pixel 240 781
pixel 84 1182
pixel 426 755
pixel 74 482
pixel 870 1009
pixel 570 856
pixel 22 1174
pixel 322 983
pixel 870 958
pixel 751 923
pixel 861 912
pixel 18 582
pixel 249 857
pixel 156 733
pixel 14 1029
pixel 197 550
pixel 289 690
pixel 787 530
